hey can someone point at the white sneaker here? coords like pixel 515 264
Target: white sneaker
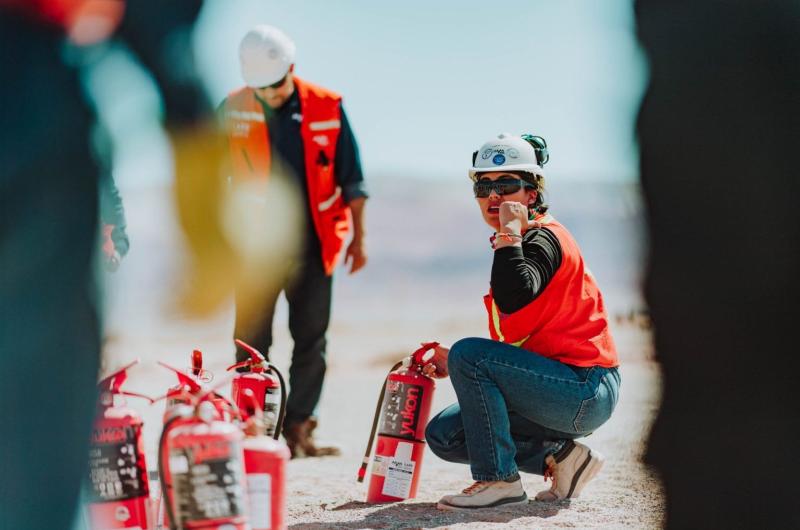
pixel 571 472
pixel 485 495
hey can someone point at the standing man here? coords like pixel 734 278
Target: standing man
pixel 280 119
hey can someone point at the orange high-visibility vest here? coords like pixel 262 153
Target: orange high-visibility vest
pixel 248 139
pixel 567 322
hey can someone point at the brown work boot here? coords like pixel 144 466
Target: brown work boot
pixel 299 438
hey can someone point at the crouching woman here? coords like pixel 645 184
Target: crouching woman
pixel 549 373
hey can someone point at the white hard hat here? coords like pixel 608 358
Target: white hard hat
pixel 265 54
pixel 506 152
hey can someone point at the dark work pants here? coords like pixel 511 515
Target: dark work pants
pixel 308 292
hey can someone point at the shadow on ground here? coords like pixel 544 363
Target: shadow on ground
pixel 408 516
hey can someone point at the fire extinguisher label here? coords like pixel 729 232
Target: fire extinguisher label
pixel 401 409
pixel 259 491
pixel 116 469
pixel 211 487
pixel 399 472
pixel 379 465
pixel 272 400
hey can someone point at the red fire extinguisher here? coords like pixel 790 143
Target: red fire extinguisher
pixel 181 399
pixel 201 465
pixel 119 491
pixel 265 470
pixel 191 384
pixel 266 383
pixel 401 416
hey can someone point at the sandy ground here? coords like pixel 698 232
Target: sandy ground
pixel 379 316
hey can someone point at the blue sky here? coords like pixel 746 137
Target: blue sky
pixel 425 83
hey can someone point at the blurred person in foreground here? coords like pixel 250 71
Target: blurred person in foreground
pixel 548 375
pixel 281 124
pixel 49 324
pixel 718 131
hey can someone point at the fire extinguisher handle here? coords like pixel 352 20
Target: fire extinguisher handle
pixel 418 357
pixel 256 357
pixel 113 382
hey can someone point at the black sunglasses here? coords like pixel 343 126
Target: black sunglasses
pixel 277 84
pixel 501 186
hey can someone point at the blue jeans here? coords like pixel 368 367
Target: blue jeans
pixel 515 407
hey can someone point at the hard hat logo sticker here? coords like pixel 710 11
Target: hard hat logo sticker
pixel 513 153
pixel 499 159
pixel 487 153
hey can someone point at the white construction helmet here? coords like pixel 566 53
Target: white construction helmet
pixel 265 54
pixel 508 152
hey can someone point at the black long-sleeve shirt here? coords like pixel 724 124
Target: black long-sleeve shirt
pixel 520 274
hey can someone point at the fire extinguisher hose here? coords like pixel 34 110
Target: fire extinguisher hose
pixel 365 462
pixel 166 499
pixel 282 410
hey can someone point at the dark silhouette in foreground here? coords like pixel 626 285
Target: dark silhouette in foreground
pixel 718 131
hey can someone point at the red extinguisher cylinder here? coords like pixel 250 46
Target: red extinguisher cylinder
pixel 206 476
pixel 261 390
pixel 118 486
pixel 403 414
pixel 119 491
pixel 267 391
pixel 265 462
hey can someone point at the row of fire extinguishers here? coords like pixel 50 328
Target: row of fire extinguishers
pixel 220 464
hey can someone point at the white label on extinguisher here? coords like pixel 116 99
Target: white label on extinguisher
pixel 399 472
pixel 379 464
pixel 178 464
pixel 259 489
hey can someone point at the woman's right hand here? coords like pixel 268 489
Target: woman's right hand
pixel 437 365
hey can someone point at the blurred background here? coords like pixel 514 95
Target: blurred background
pixel 424 85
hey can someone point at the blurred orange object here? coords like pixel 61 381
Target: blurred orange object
pixel 84 21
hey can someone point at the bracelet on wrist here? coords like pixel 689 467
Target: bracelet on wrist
pixel 504 236
pixel 508 236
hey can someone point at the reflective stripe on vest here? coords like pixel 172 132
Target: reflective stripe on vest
pixel 496 321
pixel 246 115
pixel 325 125
pixel 324 205
pixel 320 124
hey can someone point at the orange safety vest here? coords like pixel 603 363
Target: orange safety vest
pixel 248 139
pixel 567 322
